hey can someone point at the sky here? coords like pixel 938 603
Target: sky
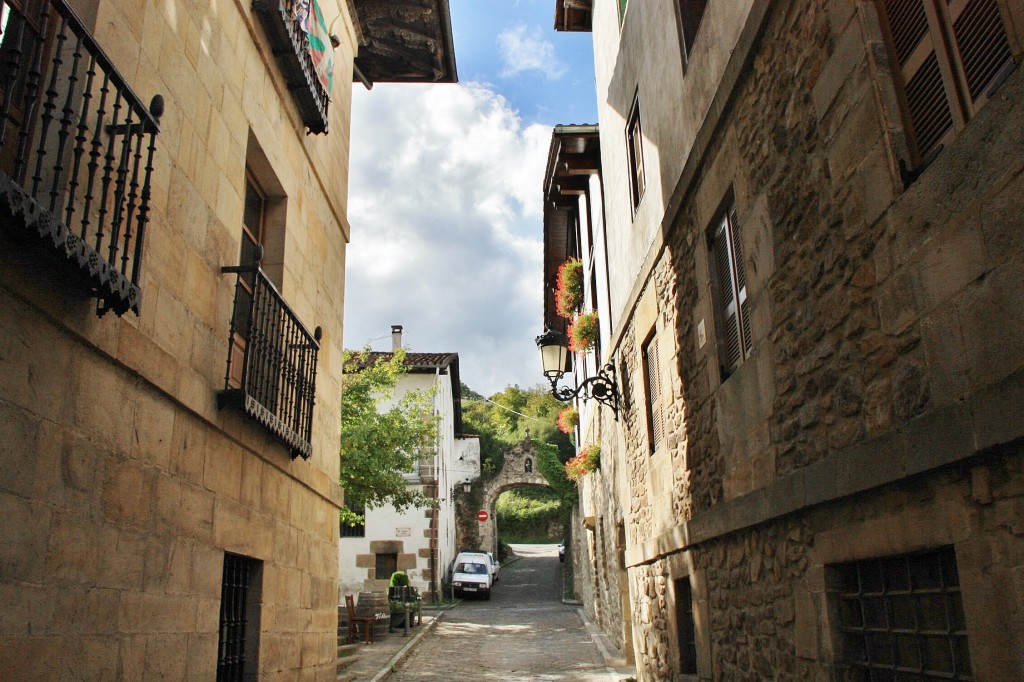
pixel 445 193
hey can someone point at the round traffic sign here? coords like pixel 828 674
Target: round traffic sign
pixel 482 515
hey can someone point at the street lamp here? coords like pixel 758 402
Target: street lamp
pixel 554 351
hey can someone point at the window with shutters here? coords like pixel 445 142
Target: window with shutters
pixel 690 14
pixel 652 384
pixel 686 630
pixel 949 56
pixel 730 288
pixel 635 152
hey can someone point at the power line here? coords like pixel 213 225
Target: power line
pixel 507 409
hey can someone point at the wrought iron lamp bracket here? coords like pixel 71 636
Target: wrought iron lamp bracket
pixel 601 388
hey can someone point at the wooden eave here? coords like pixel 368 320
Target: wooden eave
pixel 574 15
pixel 405 41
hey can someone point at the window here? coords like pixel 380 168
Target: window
pixel 686 631
pixel 622 10
pixel 655 409
pixel 901 617
pixel 947 56
pixel 690 14
pixel 730 285
pixel 237 652
pixel 635 152
pixel 357 530
pixel 386 564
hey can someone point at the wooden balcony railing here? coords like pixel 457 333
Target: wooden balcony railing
pixel 76 152
pixel 271 369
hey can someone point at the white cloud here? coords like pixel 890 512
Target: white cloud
pixel 524 49
pixel 445 206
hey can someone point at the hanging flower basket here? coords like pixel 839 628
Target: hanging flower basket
pixel 568 420
pixel 583 333
pixel 569 290
pixel 587 461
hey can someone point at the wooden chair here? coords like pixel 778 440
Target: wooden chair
pixel 355 623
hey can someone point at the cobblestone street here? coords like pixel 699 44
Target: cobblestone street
pixel 524 632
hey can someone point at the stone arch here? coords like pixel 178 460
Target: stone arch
pixel 513 474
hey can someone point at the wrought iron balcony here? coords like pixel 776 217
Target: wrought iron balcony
pixel 271 370
pixel 76 152
pixel 291 45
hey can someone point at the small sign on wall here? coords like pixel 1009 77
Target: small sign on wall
pixel 702 336
pixel 403 532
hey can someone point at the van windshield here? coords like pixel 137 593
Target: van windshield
pixel 471 568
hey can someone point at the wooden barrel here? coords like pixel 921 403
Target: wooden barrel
pixel 372 604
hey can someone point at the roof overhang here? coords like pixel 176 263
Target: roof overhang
pixel 405 41
pixel 574 15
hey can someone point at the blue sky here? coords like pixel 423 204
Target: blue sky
pixel 445 193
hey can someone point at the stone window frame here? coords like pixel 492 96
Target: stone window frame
pixel 635 154
pixel 680 566
pixel 733 333
pixel 894 102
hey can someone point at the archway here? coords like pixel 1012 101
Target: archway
pixel 518 471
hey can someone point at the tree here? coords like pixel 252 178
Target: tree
pixel 381 437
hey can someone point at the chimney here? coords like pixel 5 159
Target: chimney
pixel 396 337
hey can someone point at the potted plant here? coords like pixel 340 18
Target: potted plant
pixel 568 419
pixel 588 460
pixel 569 289
pixel 583 333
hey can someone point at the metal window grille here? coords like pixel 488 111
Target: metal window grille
pixel 686 630
pixel 902 618
pixel 234 617
pixel 386 564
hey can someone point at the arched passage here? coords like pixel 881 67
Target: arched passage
pixel 518 471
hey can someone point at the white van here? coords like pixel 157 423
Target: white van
pixel 472 575
pixel 486 557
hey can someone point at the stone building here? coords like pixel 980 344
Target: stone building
pixel 812 243
pixel 421 542
pixel 173 193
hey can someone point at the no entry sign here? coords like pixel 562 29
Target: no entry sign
pixel 482 515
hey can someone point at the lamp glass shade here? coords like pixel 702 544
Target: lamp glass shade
pixel 554 351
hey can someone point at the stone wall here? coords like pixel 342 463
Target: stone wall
pixel 122 484
pixel 880 410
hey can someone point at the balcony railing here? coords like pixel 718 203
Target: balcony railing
pixel 76 151
pixel 292 51
pixel 271 369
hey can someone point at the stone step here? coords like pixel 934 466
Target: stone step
pixel 345 649
pixel 346 662
pixel 345 677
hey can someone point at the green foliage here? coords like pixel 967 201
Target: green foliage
pixel 527 514
pixel 378 445
pixel 552 468
pixel 399 579
pixel 500 422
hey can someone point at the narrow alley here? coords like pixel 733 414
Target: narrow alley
pixel 524 632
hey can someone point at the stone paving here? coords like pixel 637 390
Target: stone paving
pixel 524 632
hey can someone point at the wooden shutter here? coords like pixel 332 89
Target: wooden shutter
pixel 949 52
pixel 927 92
pixel 655 407
pixel 731 281
pixel 981 41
